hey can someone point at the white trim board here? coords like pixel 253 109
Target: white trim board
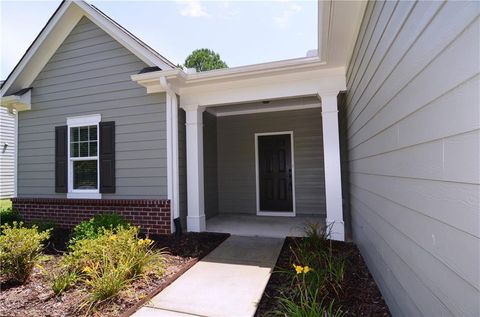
pixel 257 180
pixel 224 113
pixel 58 27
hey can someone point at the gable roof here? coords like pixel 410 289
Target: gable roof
pixel 60 24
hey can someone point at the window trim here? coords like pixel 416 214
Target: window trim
pixel 81 121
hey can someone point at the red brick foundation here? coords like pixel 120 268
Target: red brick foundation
pixel 153 216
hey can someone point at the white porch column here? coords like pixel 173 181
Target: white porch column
pixel 333 180
pixel 195 191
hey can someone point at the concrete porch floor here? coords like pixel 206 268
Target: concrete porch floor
pixel 262 226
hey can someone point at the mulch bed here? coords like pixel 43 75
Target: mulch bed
pixel 36 298
pixel 360 295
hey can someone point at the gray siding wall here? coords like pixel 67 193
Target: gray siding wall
pixel 236 159
pixel 90 74
pixel 210 164
pixel 182 166
pixel 7 155
pixel 412 113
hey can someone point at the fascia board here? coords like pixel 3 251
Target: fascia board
pixel 43 47
pixel 141 51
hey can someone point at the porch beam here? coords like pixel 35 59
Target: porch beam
pixel 333 180
pixel 195 187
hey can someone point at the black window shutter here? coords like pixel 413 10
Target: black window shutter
pixel 61 159
pixel 107 157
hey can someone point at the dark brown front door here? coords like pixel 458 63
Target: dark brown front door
pixel 275 173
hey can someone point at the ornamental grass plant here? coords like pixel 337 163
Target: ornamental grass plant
pixel 111 261
pixel 317 276
pixel 20 250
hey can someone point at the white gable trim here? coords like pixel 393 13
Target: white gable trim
pixel 133 44
pixel 41 45
pixel 58 28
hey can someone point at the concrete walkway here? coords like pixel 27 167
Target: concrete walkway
pixel 228 282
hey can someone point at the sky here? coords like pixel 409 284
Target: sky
pixel 242 32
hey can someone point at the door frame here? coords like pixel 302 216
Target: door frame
pixel 257 180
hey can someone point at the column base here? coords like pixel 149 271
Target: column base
pixel 336 230
pixel 196 223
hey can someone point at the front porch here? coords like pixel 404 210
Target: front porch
pixel 294 104
pixel 262 226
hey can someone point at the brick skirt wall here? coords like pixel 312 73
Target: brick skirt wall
pixel 153 216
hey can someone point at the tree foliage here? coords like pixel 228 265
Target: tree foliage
pixel 204 59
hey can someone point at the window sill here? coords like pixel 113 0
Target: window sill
pixel 84 195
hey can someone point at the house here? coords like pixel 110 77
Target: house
pixel 7 152
pixel 377 135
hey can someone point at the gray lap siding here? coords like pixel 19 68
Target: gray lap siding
pixel 90 74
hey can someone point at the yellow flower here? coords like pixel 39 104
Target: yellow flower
pixel 87 269
pixel 145 241
pixel 298 268
pixel 113 237
pixel 306 269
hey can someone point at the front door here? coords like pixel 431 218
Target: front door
pixel 275 173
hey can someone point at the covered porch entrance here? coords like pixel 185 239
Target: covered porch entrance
pixel 226 121
pixel 263 167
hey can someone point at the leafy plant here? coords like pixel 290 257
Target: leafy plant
pixel 44 225
pixel 63 282
pixel 121 246
pixel 106 279
pixel 320 277
pixel 20 249
pixel 92 228
pixel 111 261
pixel 306 299
pixel 9 215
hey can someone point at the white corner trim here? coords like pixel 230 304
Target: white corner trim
pixel 257 180
pixel 15 165
pixel 332 167
pixel 84 120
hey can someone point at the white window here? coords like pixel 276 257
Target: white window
pixel 83 147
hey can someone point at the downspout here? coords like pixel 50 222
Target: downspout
pixel 172 151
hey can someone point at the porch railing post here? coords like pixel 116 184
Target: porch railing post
pixel 333 180
pixel 195 191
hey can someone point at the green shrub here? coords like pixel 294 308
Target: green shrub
pixel 92 228
pixel 20 248
pixel 44 225
pixel 112 260
pixel 8 216
pixel 122 246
